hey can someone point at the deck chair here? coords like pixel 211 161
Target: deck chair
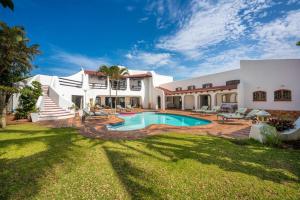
pixel 129 108
pixel 252 114
pixel 120 108
pixel 214 110
pixel 201 110
pixel 238 114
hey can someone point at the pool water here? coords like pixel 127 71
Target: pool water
pixel 144 119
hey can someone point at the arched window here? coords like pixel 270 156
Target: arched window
pixel 259 96
pixel 283 95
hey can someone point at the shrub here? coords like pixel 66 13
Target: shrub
pixel 281 124
pixel 28 98
pixel 271 135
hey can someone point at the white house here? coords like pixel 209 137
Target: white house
pixel 273 85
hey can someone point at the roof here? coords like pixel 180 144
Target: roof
pixel 199 90
pixel 95 73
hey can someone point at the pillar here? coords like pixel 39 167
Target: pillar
pixel 195 101
pixel 213 99
pixel 182 102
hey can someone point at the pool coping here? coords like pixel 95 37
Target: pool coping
pixel 162 125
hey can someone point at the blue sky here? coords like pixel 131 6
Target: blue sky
pixel 173 37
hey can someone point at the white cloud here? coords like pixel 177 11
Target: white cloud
pixel 143 19
pixel 210 24
pixel 78 59
pixel 147 59
pixel 277 39
pixel 130 8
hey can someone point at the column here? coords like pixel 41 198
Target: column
pixel 195 101
pixel 182 102
pixel 213 99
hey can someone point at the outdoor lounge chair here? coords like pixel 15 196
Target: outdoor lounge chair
pixel 292 134
pixel 120 108
pixel 129 108
pixel 252 114
pixel 214 110
pixel 239 114
pixel 88 113
pixel 201 110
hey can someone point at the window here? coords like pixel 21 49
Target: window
pixel 259 96
pixel 207 85
pixel 283 95
pixel 178 89
pixel 191 87
pixel 229 98
pixel 232 82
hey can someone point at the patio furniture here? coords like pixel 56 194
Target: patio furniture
pixel 88 113
pixel 252 114
pixel 120 108
pixel 129 108
pixel 201 110
pixel 214 110
pixel 239 114
pixel 292 134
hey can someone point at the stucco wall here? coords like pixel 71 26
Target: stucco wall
pixel 217 79
pixel 271 75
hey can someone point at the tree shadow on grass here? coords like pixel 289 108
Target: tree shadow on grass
pixel 135 180
pixel 20 175
pixel 253 159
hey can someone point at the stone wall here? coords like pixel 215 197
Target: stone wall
pixel 284 113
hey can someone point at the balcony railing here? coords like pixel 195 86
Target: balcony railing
pixel 98 85
pixel 69 82
pixel 121 86
pixel 135 88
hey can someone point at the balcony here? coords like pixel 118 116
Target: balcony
pixel 121 86
pixel 98 85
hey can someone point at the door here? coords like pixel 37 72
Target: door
pixel 78 101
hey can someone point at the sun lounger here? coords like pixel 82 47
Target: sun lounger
pixel 128 108
pixel 202 109
pixel 239 114
pixel 120 108
pixel 96 113
pixel 214 110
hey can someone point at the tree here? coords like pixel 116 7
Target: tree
pixel 298 43
pixel 107 72
pixel 7 3
pixel 16 56
pixel 117 74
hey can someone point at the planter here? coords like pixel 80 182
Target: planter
pixel 34 117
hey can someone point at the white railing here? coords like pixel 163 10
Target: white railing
pixel 59 100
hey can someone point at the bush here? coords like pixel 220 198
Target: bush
pixel 271 135
pixel 28 98
pixel 281 124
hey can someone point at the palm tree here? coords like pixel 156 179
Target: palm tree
pixel 107 72
pixel 7 3
pixel 117 74
pixel 298 43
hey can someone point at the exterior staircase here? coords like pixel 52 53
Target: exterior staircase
pixel 50 110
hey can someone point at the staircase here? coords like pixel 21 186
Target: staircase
pixel 50 110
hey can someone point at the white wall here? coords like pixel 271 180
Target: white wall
pixel 217 79
pixel 271 75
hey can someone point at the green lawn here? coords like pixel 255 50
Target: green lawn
pixel 44 163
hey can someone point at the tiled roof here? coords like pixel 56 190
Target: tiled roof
pixel 199 90
pixel 91 72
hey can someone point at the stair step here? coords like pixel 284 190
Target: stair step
pixel 55 115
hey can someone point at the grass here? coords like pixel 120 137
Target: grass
pixel 45 163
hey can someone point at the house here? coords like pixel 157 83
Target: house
pixel 272 85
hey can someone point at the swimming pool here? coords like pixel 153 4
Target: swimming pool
pixel 144 119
